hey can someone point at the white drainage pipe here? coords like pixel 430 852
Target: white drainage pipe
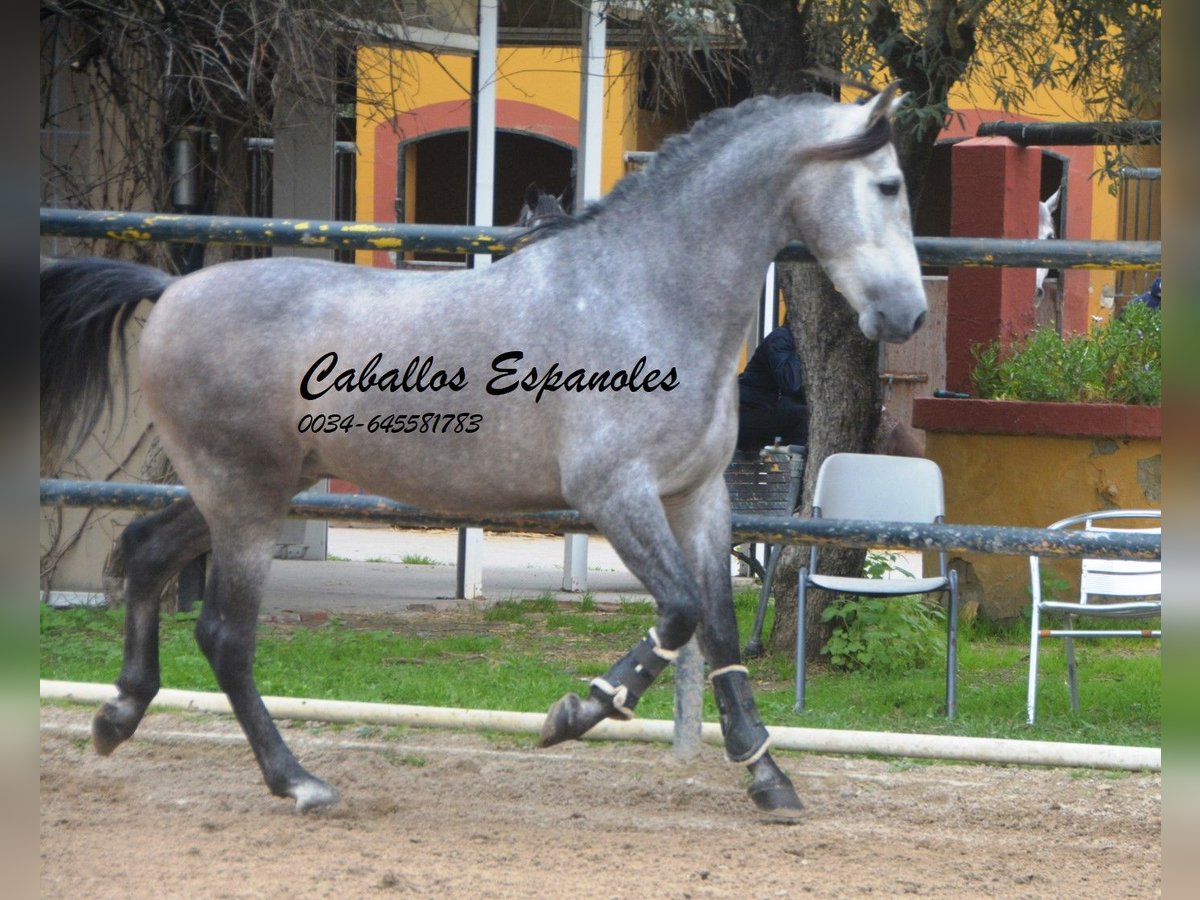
pixel 811 740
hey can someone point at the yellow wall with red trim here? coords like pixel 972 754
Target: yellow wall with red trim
pixel 1050 104
pixel 547 77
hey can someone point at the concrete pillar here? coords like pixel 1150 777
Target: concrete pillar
pixel 994 193
pixel 302 187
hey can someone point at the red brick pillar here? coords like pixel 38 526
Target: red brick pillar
pixel 994 193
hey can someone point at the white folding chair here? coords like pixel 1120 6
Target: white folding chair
pixel 880 488
pixel 1104 578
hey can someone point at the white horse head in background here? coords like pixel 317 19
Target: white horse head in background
pixel 1046 210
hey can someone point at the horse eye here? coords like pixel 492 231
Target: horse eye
pixel 890 188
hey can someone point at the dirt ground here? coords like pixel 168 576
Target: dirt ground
pixel 180 811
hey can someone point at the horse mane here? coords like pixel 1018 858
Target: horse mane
pixel 878 136
pixel 679 153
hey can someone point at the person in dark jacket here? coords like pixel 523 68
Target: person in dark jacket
pixel 1153 297
pixel 771 400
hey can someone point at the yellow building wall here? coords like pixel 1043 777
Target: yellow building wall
pixel 1031 481
pixel 394 81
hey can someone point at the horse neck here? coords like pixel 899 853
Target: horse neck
pixel 709 245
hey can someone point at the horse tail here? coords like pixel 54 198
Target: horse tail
pixel 85 303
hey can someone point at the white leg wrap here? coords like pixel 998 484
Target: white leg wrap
pixel 754 757
pixel 725 670
pixel 668 655
pixel 618 695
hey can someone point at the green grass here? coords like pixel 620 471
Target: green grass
pixel 524 654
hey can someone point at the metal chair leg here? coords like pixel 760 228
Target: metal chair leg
pixel 952 648
pixel 1072 681
pixel 1034 635
pixel 754 646
pixel 801 615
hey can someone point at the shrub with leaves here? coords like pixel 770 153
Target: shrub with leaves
pixel 1118 362
pixel 885 635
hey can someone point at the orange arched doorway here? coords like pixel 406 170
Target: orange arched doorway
pixel 437 191
pixel 422 162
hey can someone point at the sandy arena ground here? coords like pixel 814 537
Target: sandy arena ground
pixel 440 814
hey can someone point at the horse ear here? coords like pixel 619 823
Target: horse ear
pixel 531 195
pixel 885 103
pixel 1052 201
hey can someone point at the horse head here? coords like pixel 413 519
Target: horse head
pixel 541 208
pixel 850 207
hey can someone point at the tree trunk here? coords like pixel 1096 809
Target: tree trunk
pixel 780 49
pixel 783 45
pixel 842 385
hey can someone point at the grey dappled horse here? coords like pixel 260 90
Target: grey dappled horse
pixel 594 369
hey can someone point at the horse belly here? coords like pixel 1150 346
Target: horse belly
pixel 445 472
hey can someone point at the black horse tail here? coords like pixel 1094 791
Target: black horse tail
pixel 85 303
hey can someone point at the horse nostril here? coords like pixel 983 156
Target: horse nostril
pixel 920 320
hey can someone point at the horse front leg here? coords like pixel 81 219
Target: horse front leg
pixel 703 526
pixel 155 549
pixel 225 632
pixel 636 526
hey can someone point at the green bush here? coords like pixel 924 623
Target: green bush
pixel 1118 362
pixel 884 635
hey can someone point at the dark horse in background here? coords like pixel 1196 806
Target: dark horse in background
pixel 594 369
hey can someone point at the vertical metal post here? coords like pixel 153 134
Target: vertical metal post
pixel 484 137
pixel 591 103
pixel 468 583
pixel 575 548
pixel 689 700
pixel 470 540
pixel 593 52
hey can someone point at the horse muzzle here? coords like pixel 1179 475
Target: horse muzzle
pixel 891 327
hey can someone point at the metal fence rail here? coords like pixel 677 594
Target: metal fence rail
pixel 391 237
pixel 772 529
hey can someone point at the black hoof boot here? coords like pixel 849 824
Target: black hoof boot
pixel 615 695
pixel 570 718
pixel 772 792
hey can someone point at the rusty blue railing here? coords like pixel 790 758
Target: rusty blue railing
pixel 393 237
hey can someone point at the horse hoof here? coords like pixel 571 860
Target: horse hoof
pixel 778 803
pixel 562 721
pixel 105 736
pixel 773 793
pixel 111 727
pixel 313 793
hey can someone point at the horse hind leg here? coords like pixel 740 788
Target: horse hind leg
pixel 225 632
pixel 154 548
